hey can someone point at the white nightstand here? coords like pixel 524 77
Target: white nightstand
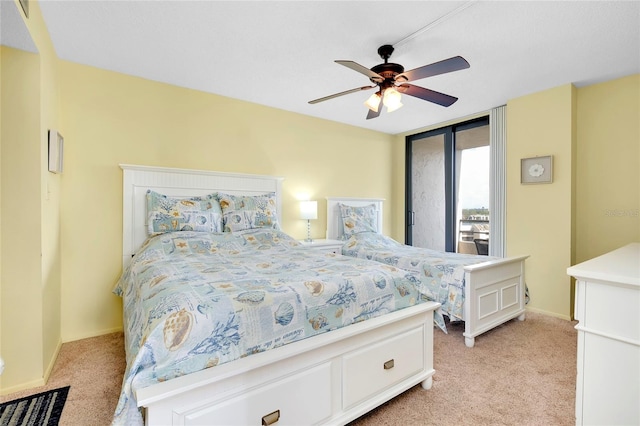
pixel 326 246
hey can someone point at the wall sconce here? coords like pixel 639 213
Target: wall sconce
pixel 308 211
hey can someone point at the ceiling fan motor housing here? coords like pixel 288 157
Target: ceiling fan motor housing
pixel 387 70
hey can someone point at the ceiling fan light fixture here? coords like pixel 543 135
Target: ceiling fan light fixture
pixel 373 102
pixel 392 99
pixel 391 81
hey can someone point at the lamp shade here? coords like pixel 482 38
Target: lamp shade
pixel 392 99
pixel 373 103
pixel 308 210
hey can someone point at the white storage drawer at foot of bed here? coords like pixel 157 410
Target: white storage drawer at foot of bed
pixel 371 370
pixel 303 398
pixel 332 378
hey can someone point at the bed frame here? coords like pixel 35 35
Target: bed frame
pixel 494 290
pixel 331 378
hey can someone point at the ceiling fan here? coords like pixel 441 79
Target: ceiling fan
pixel 391 79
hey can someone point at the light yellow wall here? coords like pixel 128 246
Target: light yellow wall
pixel 30 254
pixel 539 216
pixel 49 192
pixel 608 171
pixel 1 50
pixel 21 319
pixel 109 118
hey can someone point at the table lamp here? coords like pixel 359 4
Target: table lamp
pixel 308 211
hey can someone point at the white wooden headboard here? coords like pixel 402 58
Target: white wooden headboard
pixel 180 183
pixel 334 221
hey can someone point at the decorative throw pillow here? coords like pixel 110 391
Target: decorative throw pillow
pixel 240 212
pixel 166 214
pixel 358 219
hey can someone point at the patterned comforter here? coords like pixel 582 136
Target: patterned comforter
pixel 441 274
pixel 194 300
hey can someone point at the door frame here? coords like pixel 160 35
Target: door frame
pixel 449 133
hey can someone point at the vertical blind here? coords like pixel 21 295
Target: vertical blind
pixel 497 180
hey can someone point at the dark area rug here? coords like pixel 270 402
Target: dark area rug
pixel 42 409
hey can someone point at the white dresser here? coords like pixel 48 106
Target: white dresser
pixel 607 307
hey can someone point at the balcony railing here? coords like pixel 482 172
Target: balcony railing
pixel 469 230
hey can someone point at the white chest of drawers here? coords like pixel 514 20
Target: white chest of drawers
pixel 607 307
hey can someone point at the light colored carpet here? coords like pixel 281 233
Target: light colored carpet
pixel 521 373
pixel 94 369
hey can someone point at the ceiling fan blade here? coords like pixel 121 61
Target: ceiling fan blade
pixel 448 65
pixel 426 94
pixel 362 70
pixel 346 92
pixel 373 114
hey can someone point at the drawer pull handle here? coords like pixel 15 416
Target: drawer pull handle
pixel 271 418
pixel 388 365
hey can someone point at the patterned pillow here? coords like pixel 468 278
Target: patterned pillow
pixel 166 214
pixel 358 219
pixel 240 212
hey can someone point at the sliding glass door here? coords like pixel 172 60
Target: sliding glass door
pixel 428 192
pixel 447 186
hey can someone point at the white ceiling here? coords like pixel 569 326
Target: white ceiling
pixel 281 53
pixel 13 31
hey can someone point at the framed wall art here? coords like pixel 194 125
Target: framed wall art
pixel 56 151
pixel 536 170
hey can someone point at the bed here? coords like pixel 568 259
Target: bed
pixel 482 291
pixel 335 353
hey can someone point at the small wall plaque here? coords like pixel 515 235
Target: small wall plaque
pixel 56 151
pixel 536 169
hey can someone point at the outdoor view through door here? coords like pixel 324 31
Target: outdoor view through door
pixel 448 188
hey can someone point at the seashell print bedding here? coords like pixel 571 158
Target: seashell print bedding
pixel 441 274
pixel 194 300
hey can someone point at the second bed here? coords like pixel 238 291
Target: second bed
pixel 482 291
